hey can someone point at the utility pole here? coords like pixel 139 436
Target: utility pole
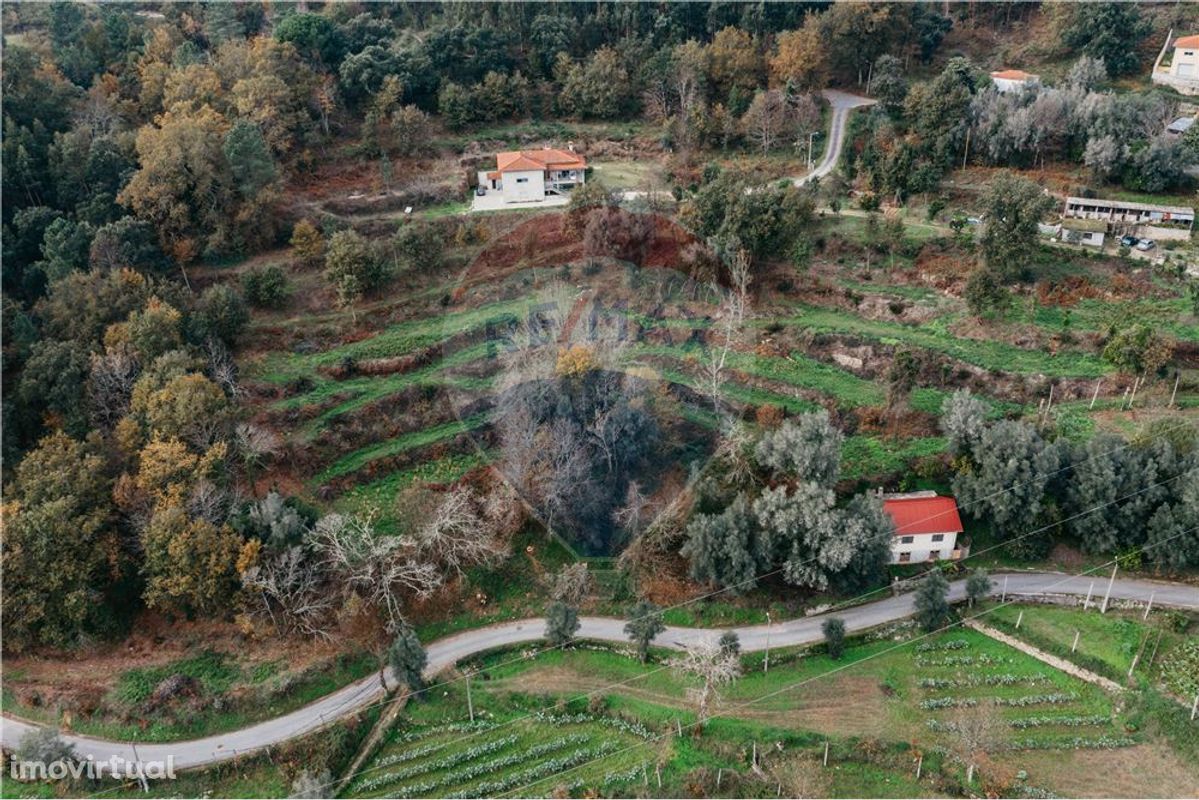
pixel 1174 393
pixel 1074 646
pixel 766 662
pixel 1149 606
pixel 1095 395
pixel 470 706
pixel 1108 593
pixel 966 154
pixel 1087 603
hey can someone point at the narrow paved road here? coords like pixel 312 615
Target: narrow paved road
pixel 445 652
pixel 842 103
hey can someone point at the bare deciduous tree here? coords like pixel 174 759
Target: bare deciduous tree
pixel 732 320
pixel 976 729
pixel 457 535
pixel 110 385
pixel 289 589
pixel 571 584
pixel 714 666
pixel 377 568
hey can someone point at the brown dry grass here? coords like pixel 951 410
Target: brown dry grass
pixel 1148 770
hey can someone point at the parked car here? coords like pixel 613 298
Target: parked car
pixel 1146 244
pixel 1129 241
pixel 480 190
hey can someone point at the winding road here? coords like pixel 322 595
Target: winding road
pixel 842 103
pixel 446 652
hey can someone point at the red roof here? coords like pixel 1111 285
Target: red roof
pixel 913 515
pixel 1187 41
pixel 1013 75
pixel 532 160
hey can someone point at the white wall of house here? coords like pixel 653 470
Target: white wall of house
pixel 922 546
pixel 524 187
pixel 1185 63
pixel 1010 85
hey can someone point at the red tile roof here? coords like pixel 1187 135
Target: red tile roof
pixel 546 158
pixel 915 515
pixel 1187 41
pixel 1013 75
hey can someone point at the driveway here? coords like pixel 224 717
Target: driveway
pixel 494 201
pixel 446 652
pixel 842 103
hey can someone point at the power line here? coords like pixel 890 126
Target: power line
pixel 640 676
pixel 790 687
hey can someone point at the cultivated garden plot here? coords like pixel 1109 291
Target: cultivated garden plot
pixel 500 753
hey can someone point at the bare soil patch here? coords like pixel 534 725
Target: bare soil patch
pixel 1148 770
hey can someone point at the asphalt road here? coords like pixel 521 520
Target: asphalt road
pixel 842 103
pixel 447 651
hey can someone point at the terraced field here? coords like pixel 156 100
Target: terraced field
pixel 533 721
pixel 493 756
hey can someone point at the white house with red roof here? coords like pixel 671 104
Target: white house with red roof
pixel 529 176
pixel 1177 64
pixel 1014 80
pixel 926 527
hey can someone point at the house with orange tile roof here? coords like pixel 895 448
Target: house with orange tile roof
pixel 1177 64
pixel 529 176
pixel 1014 80
pixel 926 527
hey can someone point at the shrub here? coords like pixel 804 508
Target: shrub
pixel 265 287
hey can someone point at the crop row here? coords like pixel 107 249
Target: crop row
pixel 1057 698
pixel 982 659
pixel 617 723
pixel 1006 679
pixel 476 771
pixel 538 771
pixel 445 762
pixel 1077 743
pixel 1026 722
pixel 952 644
pixel 436 730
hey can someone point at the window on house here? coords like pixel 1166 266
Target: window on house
pixel 522 180
pixel 905 557
pixel 907 539
pixel 934 555
pixel 938 537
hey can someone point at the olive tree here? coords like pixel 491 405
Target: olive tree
pixel 561 623
pixel 645 622
pixel 932 601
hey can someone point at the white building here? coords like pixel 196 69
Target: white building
pixel 1177 64
pixel 1090 232
pixel 1145 220
pixel 926 527
pixel 528 176
pixel 1014 80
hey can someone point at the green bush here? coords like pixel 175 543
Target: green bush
pixel 265 287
